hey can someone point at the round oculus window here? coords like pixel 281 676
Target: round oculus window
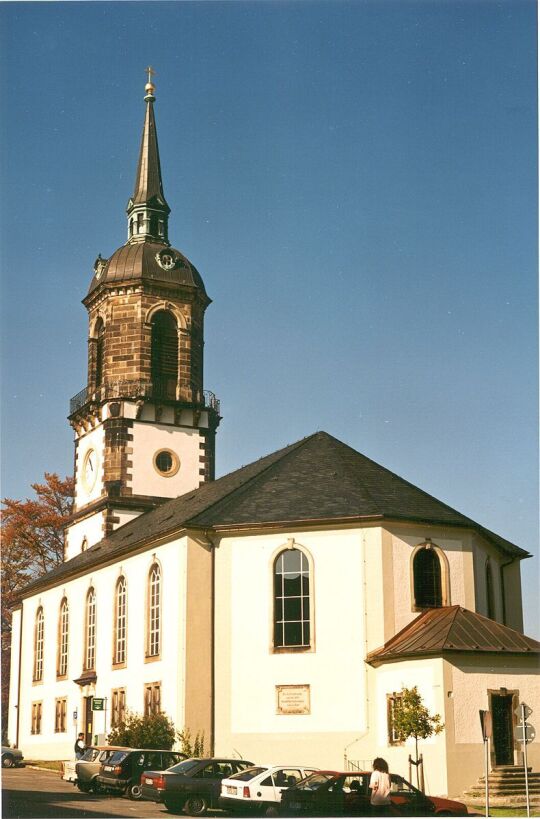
pixel 166 463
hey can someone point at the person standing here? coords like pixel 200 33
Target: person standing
pixel 80 747
pixel 379 785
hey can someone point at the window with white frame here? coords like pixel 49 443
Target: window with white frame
pixel 154 612
pixel 152 698
pixel 393 702
pixel 118 706
pixel 60 723
pixel 291 600
pixel 90 631
pixel 63 637
pixel 38 645
pixel 120 622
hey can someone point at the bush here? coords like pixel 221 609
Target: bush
pixel 191 747
pixel 138 731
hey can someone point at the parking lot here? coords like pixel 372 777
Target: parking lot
pixel 32 794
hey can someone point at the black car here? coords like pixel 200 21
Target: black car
pixel 334 793
pixel 191 786
pixel 122 771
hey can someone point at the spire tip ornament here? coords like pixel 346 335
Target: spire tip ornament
pixel 149 87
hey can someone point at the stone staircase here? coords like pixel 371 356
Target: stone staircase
pixel 506 788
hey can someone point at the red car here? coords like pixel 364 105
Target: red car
pixel 335 793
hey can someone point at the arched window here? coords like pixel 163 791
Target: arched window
pixel 84 544
pixel 120 621
pixel 90 631
pixel 153 642
pixel 291 600
pixel 63 637
pixel 490 600
pixel 164 355
pixel 427 579
pixel 100 349
pixel 39 628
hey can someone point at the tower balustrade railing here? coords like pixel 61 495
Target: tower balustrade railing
pixel 139 389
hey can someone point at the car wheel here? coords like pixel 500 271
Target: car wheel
pixel 270 810
pixel 134 791
pixel 84 787
pixel 8 761
pixel 195 805
pixel 96 787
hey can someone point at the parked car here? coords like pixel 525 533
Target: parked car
pixel 121 773
pixel 88 768
pixel 191 786
pixel 260 787
pixel 11 757
pixel 333 793
pixel 69 773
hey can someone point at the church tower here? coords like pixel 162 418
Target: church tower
pixel 144 426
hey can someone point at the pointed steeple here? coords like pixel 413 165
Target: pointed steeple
pixel 147 209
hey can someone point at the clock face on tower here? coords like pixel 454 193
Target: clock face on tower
pixel 89 470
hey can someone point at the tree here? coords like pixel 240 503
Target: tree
pixel 32 544
pixel 138 731
pixel 412 719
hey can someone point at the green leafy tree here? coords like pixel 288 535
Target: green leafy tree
pixel 138 731
pixel 32 544
pixel 412 719
pixel 191 747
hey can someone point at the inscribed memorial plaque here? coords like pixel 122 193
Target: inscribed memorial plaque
pixel 293 699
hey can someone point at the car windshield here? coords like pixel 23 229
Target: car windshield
pixel 89 755
pixel 314 782
pixel 184 766
pixel 249 773
pixel 117 757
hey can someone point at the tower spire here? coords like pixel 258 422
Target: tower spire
pixel 147 209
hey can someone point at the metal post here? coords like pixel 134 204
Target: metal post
pixel 105 718
pixel 486 772
pixel 525 758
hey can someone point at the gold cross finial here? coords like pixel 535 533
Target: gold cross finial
pixel 151 73
pixel 149 87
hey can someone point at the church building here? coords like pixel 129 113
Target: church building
pixel 279 609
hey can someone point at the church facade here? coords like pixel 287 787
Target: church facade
pixel 279 609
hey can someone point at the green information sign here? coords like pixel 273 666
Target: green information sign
pixel 98 704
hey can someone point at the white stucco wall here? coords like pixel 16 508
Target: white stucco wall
pixel 147 440
pixel 167 670
pixel 14 675
pixel 248 670
pixel 95 440
pixel 90 528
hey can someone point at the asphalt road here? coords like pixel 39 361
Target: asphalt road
pixel 32 794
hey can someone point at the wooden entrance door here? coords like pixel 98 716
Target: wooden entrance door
pixel 88 721
pixel 503 729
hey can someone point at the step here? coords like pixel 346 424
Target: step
pixel 503 801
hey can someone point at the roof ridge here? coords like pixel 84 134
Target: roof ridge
pixel 227 498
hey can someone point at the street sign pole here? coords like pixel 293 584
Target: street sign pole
pixel 525 757
pixel 487 727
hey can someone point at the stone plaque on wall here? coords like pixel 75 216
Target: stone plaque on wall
pixel 293 699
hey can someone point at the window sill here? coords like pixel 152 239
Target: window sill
pixel 292 649
pixel 152 658
pixel 117 666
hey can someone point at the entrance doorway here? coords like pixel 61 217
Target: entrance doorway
pixel 502 707
pixel 88 721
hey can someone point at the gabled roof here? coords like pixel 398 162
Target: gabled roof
pixel 316 480
pixel 453 629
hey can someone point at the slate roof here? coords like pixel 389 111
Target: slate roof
pixel 453 629
pixel 315 480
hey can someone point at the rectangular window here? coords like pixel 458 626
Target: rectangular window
pixel 118 710
pixel 36 717
pixel 393 702
pixel 60 715
pixel 152 698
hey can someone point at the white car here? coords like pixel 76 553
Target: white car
pixel 260 787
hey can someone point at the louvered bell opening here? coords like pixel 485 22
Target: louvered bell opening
pixel 164 355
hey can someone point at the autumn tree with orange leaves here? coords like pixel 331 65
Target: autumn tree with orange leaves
pixel 32 544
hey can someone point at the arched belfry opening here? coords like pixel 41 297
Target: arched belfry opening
pixel 100 350
pixel 164 360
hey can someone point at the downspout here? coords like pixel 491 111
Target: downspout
pixel 366 671
pixel 18 706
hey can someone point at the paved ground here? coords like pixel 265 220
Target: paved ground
pixel 32 794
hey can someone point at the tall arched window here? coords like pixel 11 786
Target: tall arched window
pixel 63 637
pixel 39 628
pixel 291 600
pixel 427 579
pixel 90 631
pixel 490 600
pixel 164 355
pixel 120 621
pixel 153 642
pixel 100 350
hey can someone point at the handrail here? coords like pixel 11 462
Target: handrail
pixel 137 389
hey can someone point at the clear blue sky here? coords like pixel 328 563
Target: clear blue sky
pixel 356 182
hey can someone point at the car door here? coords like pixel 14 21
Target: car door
pixel 408 799
pixel 207 782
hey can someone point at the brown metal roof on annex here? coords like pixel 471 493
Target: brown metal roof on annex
pixel 452 629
